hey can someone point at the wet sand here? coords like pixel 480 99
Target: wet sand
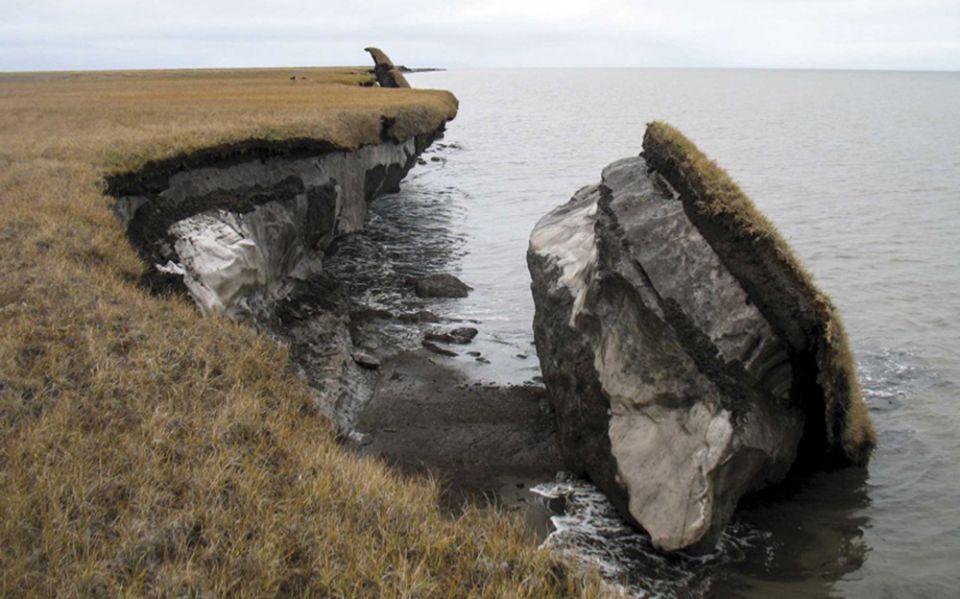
pixel 486 444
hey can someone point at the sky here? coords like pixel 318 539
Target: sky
pixel 833 34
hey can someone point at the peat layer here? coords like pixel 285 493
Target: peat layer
pixel 838 428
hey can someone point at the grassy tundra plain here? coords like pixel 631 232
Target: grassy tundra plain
pixel 147 450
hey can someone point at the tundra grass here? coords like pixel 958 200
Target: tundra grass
pixel 145 450
pixel 716 195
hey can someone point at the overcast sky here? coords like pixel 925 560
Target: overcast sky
pixel 101 34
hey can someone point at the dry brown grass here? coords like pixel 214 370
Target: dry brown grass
pixel 145 450
pixel 848 423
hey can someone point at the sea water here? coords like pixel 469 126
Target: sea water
pixel 861 173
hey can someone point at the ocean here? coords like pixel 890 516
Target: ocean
pixel 861 173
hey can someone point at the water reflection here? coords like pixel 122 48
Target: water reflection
pixel 815 529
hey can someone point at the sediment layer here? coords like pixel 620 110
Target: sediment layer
pixel 235 230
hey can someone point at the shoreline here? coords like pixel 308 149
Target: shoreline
pixel 486 445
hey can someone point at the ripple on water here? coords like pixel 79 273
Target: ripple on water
pixel 591 530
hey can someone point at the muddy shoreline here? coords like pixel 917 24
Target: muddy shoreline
pixel 415 409
pixel 307 268
pixel 486 444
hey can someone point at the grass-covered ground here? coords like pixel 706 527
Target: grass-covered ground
pixel 147 450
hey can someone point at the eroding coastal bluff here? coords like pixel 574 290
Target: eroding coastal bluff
pixel 148 450
pixel 237 225
pixel 688 355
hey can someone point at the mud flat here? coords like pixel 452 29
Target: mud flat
pixel 485 443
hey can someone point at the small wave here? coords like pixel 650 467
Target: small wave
pixel 887 376
pixel 590 529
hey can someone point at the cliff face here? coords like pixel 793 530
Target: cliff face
pixel 677 388
pixel 237 232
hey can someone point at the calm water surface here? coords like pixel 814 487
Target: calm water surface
pixel 861 172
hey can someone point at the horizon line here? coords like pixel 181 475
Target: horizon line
pixel 482 67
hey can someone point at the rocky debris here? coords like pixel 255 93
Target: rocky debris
pixel 388 75
pixel 365 360
pixel 433 347
pixel 440 285
pixel 459 335
pixel 321 348
pixel 675 390
pixel 366 314
pixel 418 317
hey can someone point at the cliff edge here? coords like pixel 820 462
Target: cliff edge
pixel 148 450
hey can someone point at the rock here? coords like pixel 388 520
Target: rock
pixel 688 358
pixel 440 285
pixel 365 360
pixel 358 438
pixel 433 347
pixel 368 344
pixel 438 337
pixel 388 75
pixel 464 335
pixel 460 335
